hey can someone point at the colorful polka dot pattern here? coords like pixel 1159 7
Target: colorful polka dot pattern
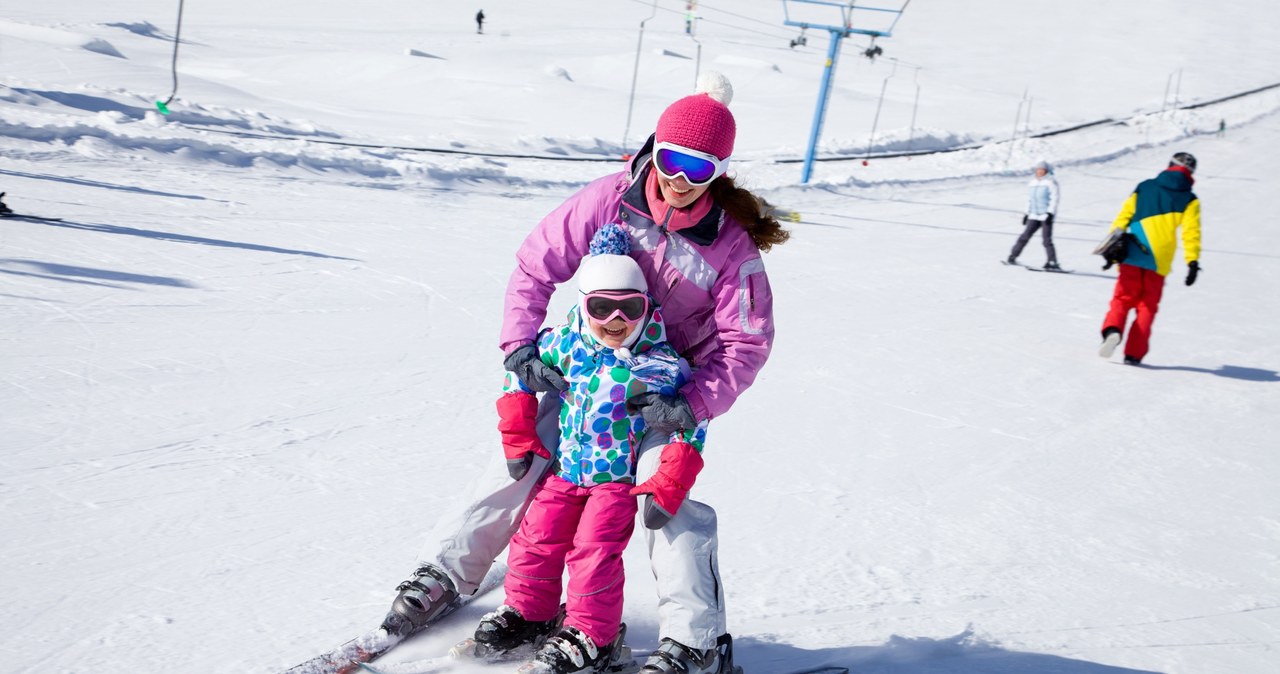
pixel 598 436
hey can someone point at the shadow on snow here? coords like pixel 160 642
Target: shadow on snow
pixel 961 654
pixel 186 238
pixel 1228 371
pixel 76 274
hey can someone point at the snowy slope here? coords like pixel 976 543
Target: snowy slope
pixel 251 368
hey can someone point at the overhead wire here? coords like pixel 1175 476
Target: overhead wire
pixel 702 5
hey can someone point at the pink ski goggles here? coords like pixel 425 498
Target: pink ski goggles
pixel 698 168
pixel 603 305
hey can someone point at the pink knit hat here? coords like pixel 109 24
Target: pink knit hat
pixel 702 121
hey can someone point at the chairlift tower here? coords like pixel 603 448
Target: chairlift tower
pixel 808 14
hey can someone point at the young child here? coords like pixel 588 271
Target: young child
pixel 583 512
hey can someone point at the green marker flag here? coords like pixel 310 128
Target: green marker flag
pixel 164 109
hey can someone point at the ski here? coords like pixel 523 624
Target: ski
pixel 443 664
pixel 350 656
pixel 24 216
pixel 1030 268
pixel 6 212
pixel 624 662
pixel 465 651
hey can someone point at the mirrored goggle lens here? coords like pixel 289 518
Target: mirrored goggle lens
pixel 602 307
pixel 695 169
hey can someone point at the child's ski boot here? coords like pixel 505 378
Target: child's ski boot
pixel 505 630
pixel 571 651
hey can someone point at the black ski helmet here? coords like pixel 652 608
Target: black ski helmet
pixel 1184 159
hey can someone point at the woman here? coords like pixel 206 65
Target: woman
pixel 698 239
pixel 1042 203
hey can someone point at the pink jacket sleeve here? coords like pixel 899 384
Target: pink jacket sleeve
pixel 550 255
pixel 744 338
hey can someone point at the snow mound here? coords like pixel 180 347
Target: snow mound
pixel 556 72
pixel 418 52
pixel 58 38
pixel 142 28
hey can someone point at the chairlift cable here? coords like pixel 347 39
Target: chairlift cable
pixel 720 23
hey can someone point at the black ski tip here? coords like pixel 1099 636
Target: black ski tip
pixel 23 216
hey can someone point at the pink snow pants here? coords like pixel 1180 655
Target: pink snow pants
pixel 585 529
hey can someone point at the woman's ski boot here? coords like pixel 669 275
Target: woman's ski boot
pixel 421 599
pixel 673 657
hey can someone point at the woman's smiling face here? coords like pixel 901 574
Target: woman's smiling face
pixel 677 192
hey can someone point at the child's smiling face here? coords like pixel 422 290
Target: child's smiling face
pixel 612 334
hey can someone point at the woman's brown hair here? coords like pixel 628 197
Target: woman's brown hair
pixel 754 213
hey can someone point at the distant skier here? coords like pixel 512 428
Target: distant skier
pixel 1042 203
pixel 4 210
pixel 480 22
pixel 1222 128
pixel 613 346
pixel 1153 214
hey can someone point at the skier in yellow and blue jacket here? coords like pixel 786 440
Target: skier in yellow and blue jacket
pixel 1153 214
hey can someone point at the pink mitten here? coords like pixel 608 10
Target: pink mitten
pixel 517 415
pixel 670 484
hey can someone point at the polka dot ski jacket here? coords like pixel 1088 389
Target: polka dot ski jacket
pixel 598 437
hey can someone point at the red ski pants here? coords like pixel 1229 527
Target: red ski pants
pixel 1139 290
pixel 585 529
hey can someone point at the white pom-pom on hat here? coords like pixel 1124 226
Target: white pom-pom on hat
pixel 715 85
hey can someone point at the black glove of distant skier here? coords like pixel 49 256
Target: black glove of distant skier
pixel 1048 220
pixel 663 414
pixel 1024 219
pixel 1193 269
pixel 535 374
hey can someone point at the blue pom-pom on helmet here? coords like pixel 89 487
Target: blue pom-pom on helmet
pixel 611 240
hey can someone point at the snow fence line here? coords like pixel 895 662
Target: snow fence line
pixel 1042 134
pixel 796 160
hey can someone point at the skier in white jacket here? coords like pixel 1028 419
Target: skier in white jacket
pixel 1042 203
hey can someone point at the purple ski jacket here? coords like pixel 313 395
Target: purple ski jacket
pixel 709 280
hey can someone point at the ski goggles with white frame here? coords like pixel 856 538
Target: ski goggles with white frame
pixel 698 168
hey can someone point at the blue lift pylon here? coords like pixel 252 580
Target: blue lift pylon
pixel 819 8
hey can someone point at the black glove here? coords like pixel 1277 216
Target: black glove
pixel 535 374
pixel 1048 220
pixel 663 414
pixel 1193 269
pixel 1024 219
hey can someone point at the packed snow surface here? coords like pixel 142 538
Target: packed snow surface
pixel 255 361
